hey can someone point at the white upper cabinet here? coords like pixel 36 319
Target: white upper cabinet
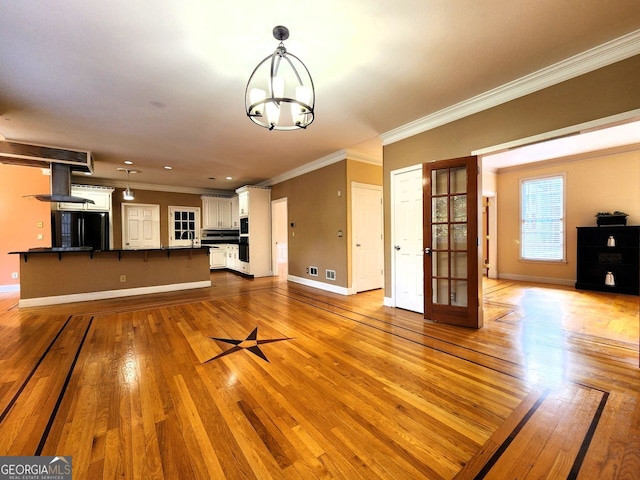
pixel 235 212
pixel 101 197
pixel 243 203
pixel 216 212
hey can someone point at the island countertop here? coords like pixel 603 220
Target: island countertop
pixel 59 275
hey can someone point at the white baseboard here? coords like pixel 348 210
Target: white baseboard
pixel 319 285
pixel 389 302
pixel 127 292
pixel 9 288
pixel 528 278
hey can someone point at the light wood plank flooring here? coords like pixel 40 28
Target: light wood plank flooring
pixel 268 379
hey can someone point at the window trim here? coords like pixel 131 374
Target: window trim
pixel 521 181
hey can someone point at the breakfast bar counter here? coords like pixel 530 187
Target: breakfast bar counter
pixel 60 275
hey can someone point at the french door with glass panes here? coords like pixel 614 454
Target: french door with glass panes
pixel 184 226
pixel 452 275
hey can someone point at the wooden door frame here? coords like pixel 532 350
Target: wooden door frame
pixel 352 256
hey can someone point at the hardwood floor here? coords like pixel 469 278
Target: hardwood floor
pixel 268 379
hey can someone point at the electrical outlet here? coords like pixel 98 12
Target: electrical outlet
pixel 330 274
pixel 14 275
pixel 313 271
pixel 123 278
pixel 40 236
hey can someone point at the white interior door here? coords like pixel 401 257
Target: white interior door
pixel 406 230
pixel 140 226
pixel 367 232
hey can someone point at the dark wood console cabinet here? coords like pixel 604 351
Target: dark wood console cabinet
pixel 596 258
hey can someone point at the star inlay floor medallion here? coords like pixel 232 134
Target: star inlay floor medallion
pixel 251 343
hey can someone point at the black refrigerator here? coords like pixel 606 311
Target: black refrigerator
pixel 80 229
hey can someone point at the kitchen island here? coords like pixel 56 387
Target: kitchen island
pixel 58 275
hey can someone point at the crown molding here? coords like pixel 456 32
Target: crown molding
pixel 613 51
pixel 364 157
pixel 306 168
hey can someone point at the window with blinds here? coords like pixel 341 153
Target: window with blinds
pixel 542 218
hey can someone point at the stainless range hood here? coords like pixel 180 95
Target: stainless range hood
pixel 60 161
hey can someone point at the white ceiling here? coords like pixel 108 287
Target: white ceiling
pixel 162 83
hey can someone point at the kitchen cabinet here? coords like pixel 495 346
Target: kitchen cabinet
pixel 256 202
pixel 101 197
pixel 216 212
pixel 243 202
pixel 232 257
pixel 608 259
pixel 217 256
pixel 235 212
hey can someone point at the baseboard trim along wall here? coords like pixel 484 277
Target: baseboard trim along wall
pixel 127 292
pixel 527 278
pixel 320 285
pixel 388 302
pixel 9 288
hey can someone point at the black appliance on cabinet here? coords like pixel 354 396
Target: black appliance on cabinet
pixel 243 249
pixel 244 226
pixel 80 229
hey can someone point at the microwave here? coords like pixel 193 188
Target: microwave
pixel 244 226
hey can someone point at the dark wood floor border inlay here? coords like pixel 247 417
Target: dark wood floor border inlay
pixel 577 464
pixel 509 374
pixel 54 413
pixel 390 324
pixel 33 371
pixel 507 441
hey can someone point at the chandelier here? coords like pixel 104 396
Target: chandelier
pixel 280 93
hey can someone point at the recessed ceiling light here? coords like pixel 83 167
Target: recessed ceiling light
pixel 128 162
pixel 229 178
pixel 168 167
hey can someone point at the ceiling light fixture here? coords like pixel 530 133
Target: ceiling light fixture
pixel 284 81
pixel 127 194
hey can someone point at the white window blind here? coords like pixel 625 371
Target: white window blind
pixel 542 218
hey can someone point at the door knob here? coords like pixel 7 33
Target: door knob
pixel 397 247
pixel 427 251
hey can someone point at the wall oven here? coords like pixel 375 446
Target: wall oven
pixel 243 249
pixel 244 226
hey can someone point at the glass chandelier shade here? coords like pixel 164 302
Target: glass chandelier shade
pixel 127 194
pixel 280 93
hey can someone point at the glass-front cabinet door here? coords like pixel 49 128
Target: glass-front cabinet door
pixel 452 275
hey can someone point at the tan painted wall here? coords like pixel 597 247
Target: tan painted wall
pixel 604 92
pixel 319 213
pixel 597 184
pixel 164 199
pixel 19 217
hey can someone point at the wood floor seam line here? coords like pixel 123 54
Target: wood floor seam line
pixel 33 371
pixel 54 412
